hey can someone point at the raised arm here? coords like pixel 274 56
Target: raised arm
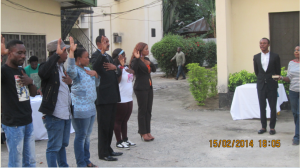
pixel 71 69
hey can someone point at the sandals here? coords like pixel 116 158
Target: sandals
pixel 92 165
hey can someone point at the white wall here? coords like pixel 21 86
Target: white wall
pixel 134 26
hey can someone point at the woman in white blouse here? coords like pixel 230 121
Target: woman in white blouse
pixel 293 78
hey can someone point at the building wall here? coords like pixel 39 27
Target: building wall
pixel 238 34
pixel 20 21
pixel 133 26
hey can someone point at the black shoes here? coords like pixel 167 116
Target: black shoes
pixel 272 132
pixel 262 131
pixel 183 78
pixel 116 154
pixel 176 78
pixel 109 158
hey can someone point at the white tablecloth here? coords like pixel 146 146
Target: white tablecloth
pixel 245 103
pixel 40 131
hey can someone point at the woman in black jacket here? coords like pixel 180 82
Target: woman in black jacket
pixel 143 89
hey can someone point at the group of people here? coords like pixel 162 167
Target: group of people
pixel 74 95
pixel 267 68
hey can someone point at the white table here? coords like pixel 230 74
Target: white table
pixel 40 131
pixel 245 103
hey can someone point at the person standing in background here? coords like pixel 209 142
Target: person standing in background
pixel 266 64
pixel 32 71
pixel 56 105
pixel 83 98
pixel 293 77
pixel 180 60
pixel 143 88
pixel 108 95
pixel 124 108
pixel 16 112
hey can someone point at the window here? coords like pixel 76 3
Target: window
pixel 101 32
pixel 152 32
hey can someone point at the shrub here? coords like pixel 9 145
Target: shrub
pixel 164 50
pixel 240 78
pixel 212 77
pixel 203 82
pixel 211 53
pixel 243 77
pixel 285 84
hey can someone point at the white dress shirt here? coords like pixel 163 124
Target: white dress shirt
pixel 265 60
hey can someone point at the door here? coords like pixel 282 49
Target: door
pixel 284 35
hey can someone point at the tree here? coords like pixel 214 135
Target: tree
pixel 179 13
pixel 209 8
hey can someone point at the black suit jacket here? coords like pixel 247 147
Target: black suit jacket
pixel 142 74
pixel 48 72
pixel 274 68
pixel 108 92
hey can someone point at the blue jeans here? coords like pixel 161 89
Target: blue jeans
pixel 83 129
pixel 20 142
pixel 294 99
pixel 58 139
pixel 180 71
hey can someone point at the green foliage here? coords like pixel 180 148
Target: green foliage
pixel 285 84
pixel 212 77
pixel 90 66
pixel 243 77
pixel 194 49
pixel 180 11
pixel 198 82
pixel 164 51
pixel 203 82
pixel 211 53
pixel 240 78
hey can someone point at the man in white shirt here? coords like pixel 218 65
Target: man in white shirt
pixel 267 64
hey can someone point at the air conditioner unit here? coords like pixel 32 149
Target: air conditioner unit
pixel 117 39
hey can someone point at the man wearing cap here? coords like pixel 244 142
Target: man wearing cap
pixel 32 71
pixel 56 105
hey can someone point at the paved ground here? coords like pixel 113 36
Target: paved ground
pixel 183 133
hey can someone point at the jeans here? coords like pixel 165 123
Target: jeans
pixel 20 142
pixel 58 139
pixel 83 129
pixel 180 71
pixel 294 99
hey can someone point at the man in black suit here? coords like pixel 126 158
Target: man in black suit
pixel 107 97
pixel 267 64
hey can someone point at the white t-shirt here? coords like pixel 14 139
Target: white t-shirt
pixel 126 87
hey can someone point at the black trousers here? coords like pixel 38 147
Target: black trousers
pixel 106 114
pixel 145 101
pixel 271 95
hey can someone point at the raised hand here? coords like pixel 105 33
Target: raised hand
pixel 109 66
pixel 25 80
pixel 92 73
pixel 67 79
pixel 136 53
pixel 4 51
pixel 72 45
pixel 60 51
pixel 121 60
